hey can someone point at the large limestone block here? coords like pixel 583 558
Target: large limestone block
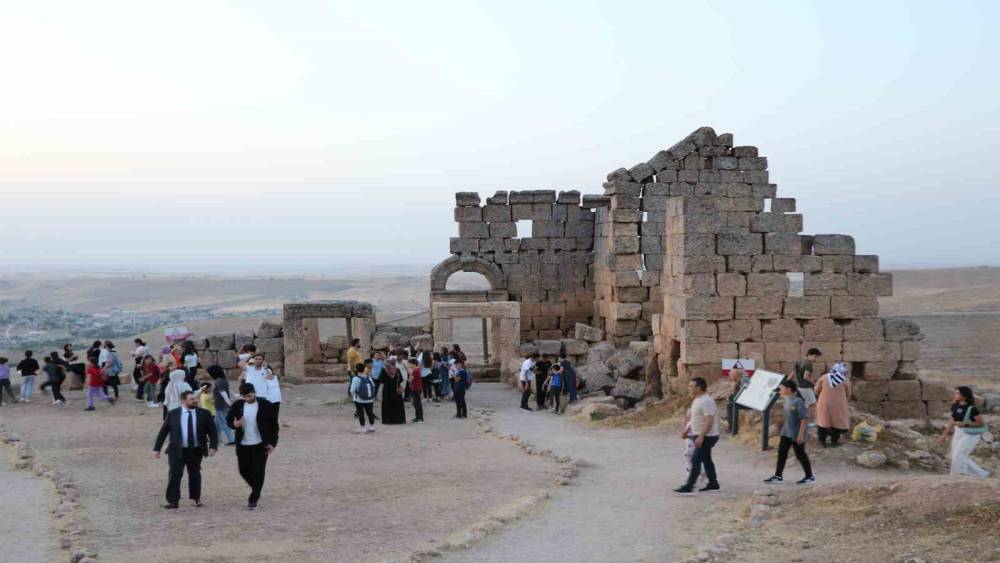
pixel 822 330
pixel 227 359
pixel 871 351
pixel 588 333
pixel 708 308
pixel 600 352
pixel 625 311
pixel 467 199
pixel 783 243
pixel 767 284
pixel 740 243
pixel 753 351
pixel 739 330
pixel 781 351
pixel 861 330
pixel 270 346
pixel 628 389
pixel 874 285
pixel 833 244
pixel 694 285
pixel 935 391
pixel 731 284
pixel 269 329
pixel 895 410
pixel 870 391
pixel 824 284
pixel 866 264
pixel 909 351
pixel 242 338
pixel 548 347
pixel 901 330
pixel 702 353
pixel 781 330
pixel 759 307
pixel 468 214
pixel 838 264
pixel 575 347
pixel 851 307
pixel 697 331
pixel 815 307
pixel 880 371
pixel 832 352
pixel 769 222
pixel 221 341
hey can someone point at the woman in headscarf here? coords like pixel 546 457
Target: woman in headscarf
pixel 393 411
pixel 832 415
pixel 172 393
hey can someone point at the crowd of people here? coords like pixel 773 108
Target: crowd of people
pixel 548 380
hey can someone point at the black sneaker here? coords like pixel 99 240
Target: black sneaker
pixel 806 480
pixel 684 490
pixel 773 479
pixel 529 409
pixel 170 505
pixel 252 506
pixel 89 409
pixel 709 488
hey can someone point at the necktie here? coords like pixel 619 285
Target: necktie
pixel 192 440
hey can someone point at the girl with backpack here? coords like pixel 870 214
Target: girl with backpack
pixel 363 394
pixel 966 427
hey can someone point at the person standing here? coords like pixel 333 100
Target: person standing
pixel 139 356
pixel 805 379
pixel 111 364
pixel 378 366
pixel 527 379
pixel 28 368
pixel 445 368
pixel 354 356
pixel 833 417
pixel 393 410
pixel 220 396
pixel 363 395
pixel 555 386
pixel 542 367
pixel 256 426
pixel 176 386
pixel 460 384
pixel 150 380
pixel 966 427
pixel 793 434
pixel 95 385
pixel 190 358
pixel 265 383
pixel 705 429
pixel 569 375
pixel 192 437
pixel 5 381
pixel 94 353
pixel 56 374
pixel 417 388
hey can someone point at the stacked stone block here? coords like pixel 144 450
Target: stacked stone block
pixel 548 272
pixel 221 349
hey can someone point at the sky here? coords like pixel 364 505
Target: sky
pixel 220 137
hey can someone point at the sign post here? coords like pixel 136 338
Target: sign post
pixel 760 396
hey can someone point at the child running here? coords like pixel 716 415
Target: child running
pixel 793 434
pixel 95 384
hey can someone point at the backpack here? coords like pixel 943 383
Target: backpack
pixel 116 365
pixel 366 389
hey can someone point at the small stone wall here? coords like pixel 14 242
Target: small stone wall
pixel 221 349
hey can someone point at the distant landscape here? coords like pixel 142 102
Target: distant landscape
pixel 958 308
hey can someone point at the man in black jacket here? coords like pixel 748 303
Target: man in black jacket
pixel 192 437
pixel 256 423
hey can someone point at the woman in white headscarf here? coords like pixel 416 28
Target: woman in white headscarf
pixel 833 417
pixel 172 393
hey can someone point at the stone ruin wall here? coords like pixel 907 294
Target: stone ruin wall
pixel 692 250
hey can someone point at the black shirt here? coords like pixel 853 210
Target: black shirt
pixel 958 412
pixel 543 368
pixel 28 366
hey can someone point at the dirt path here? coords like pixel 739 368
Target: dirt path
pixel 620 507
pixel 27 528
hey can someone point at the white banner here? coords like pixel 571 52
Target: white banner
pixel 758 393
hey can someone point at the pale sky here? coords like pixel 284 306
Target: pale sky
pixel 209 136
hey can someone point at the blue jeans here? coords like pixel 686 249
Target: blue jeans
pixel 220 423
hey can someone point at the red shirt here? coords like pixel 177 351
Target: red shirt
pixel 95 377
pixel 152 373
pixel 416 382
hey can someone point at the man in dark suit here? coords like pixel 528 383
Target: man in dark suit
pixel 256 423
pixel 192 436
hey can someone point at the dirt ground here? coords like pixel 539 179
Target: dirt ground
pixel 24 504
pixel 330 495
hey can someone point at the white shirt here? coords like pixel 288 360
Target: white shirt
pixel 258 378
pixel 185 414
pixel 191 361
pixel 701 408
pixel 273 390
pixel 104 357
pixel 527 370
pixel 251 434
pixel 141 351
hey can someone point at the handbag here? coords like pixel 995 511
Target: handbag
pixel 973 429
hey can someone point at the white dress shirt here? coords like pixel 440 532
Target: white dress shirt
pixel 186 441
pixel 527 370
pixel 251 433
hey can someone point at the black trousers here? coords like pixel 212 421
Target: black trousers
pixel 833 433
pixel 190 458
pixel 462 411
pixel 800 454
pixel 277 407
pixel 363 409
pixel 140 391
pixel 252 462
pixel 418 407
pixel 428 388
pixel 703 456
pixel 56 390
pixel 113 382
pixel 5 384
pixel 378 385
pixel 525 395
pixel 556 395
pixel 539 391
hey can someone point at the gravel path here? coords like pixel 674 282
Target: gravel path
pixel 24 503
pixel 621 507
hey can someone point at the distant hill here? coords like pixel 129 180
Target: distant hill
pixel 951 290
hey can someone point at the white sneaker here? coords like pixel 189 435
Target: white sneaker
pixel 371 429
pixel 360 431
pixel 152 405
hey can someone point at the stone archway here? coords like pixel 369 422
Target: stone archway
pixel 444 270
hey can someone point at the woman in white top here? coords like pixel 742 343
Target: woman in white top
pixel 190 358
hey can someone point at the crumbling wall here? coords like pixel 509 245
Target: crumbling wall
pixel 549 272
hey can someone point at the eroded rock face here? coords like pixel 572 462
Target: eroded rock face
pixel 628 389
pixel 627 364
pixel 597 376
pixel 871 459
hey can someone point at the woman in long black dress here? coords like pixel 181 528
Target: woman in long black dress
pixel 393 411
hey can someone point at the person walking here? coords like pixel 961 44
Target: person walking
pixel 363 395
pixel 151 376
pixel 28 368
pixel 793 434
pixel 705 429
pixel 192 438
pixel 256 426
pixel 393 410
pixel 77 368
pixel 138 356
pixel 5 381
pixel 56 374
pixel 805 379
pixel 95 384
pixel 569 375
pixel 172 392
pixel 189 355
pixel 111 364
pixel 526 378
pixel 417 388
pixel 222 401
pixel 460 381
pixel 94 352
pixel 966 428
pixel 833 417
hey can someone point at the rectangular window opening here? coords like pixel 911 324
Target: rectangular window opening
pixel 857 370
pixel 767 205
pixel 796 284
pixel 524 228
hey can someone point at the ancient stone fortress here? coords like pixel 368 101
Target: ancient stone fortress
pixel 694 251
